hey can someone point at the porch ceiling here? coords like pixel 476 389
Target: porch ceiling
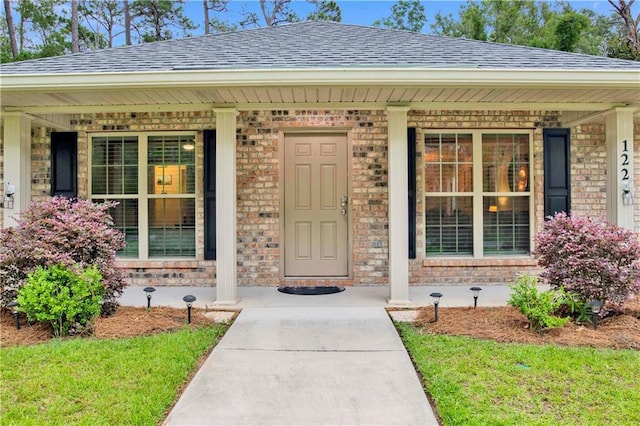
pixel 73 101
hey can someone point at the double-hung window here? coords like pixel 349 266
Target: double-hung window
pixel 152 178
pixel 478 195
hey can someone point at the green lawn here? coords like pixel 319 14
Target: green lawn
pixel 99 382
pixel 480 382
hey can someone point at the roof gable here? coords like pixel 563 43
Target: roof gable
pixel 315 44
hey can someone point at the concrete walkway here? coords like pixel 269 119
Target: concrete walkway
pixel 306 366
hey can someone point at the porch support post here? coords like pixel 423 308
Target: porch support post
pixel 17 163
pixel 398 207
pixel 226 263
pixel 620 186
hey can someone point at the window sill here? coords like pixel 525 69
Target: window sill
pixel 158 264
pixel 486 262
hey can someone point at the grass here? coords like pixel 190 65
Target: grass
pixel 99 382
pixel 482 382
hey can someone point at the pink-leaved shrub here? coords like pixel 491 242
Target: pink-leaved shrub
pixel 592 259
pixel 60 231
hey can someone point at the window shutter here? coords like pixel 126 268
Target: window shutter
pixel 210 194
pixel 411 169
pixel 557 171
pixel 64 164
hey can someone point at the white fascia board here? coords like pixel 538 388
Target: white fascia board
pixel 326 77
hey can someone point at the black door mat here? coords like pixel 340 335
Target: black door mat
pixel 310 291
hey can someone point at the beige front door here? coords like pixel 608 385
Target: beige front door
pixel 316 213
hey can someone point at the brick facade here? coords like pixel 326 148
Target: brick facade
pixel 259 138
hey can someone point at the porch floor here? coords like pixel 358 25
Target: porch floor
pixel 252 296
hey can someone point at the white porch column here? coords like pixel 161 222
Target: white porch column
pixel 17 163
pixel 226 262
pixel 621 196
pixel 398 207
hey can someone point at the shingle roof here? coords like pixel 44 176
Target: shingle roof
pixel 314 45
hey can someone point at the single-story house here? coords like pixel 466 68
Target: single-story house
pixel 321 153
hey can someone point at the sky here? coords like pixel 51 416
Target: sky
pixel 364 12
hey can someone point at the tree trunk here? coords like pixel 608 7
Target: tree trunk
pixel 156 19
pixel 75 45
pixel 127 23
pixel 11 29
pixel 206 16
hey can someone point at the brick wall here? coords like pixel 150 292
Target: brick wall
pixel 259 138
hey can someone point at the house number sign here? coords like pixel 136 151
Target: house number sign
pixel 625 161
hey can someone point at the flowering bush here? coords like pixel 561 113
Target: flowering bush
pixel 595 260
pixel 69 300
pixel 66 232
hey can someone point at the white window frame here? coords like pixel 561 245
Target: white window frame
pixel 143 197
pixel 478 194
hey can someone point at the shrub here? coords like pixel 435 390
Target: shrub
pixel 60 231
pixel 537 306
pixel 67 300
pixel 595 260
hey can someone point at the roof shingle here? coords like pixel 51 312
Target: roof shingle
pixel 315 45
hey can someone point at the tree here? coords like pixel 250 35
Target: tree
pixel 528 23
pixel 11 29
pixel 101 18
pixel 325 10
pixel 216 24
pixel 629 31
pixel 406 15
pixel 272 13
pixel 156 20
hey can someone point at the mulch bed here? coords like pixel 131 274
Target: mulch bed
pixel 507 324
pixel 126 322
pixel 504 324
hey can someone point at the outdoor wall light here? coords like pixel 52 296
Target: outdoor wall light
pixel 595 306
pixel 15 313
pixel 436 301
pixel 189 299
pixel 476 293
pixel 149 290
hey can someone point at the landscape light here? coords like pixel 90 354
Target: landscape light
pixel 189 299
pixel 595 306
pixel 436 300
pixel 149 290
pixel 15 313
pixel 476 293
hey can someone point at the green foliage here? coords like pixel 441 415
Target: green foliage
pixel 407 15
pixel 537 306
pixel 67 300
pixel 483 382
pixel 100 381
pixel 576 308
pixel 325 10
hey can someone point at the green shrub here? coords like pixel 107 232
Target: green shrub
pixel 66 299
pixel 537 306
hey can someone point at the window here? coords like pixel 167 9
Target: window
pixel 477 193
pixel 152 177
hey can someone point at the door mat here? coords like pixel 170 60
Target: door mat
pixel 311 291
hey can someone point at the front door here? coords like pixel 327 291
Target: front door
pixel 316 208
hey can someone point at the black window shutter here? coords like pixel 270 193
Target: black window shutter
pixel 411 169
pixel 209 194
pixel 64 164
pixel 557 171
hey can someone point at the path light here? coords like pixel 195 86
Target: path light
pixel 436 301
pixel 149 290
pixel 476 293
pixel 189 299
pixel 15 313
pixel 595 306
